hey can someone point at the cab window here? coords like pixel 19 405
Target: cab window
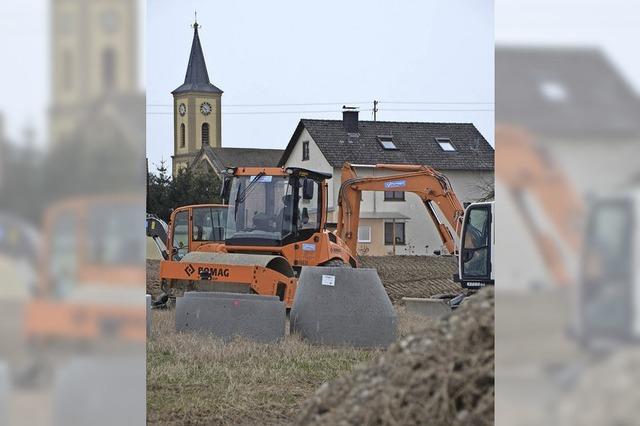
pixel 181 234
pixel 208 224
pixel 476 242
pixel 308 215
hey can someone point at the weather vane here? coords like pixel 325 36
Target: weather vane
pixel 195 23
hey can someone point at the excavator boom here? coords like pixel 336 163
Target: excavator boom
pixel 433 188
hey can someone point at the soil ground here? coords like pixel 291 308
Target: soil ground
pixel 196 379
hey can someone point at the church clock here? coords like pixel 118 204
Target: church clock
pixel 205 108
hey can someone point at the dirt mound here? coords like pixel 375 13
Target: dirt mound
pixel 606 392
pixel 414 276
pixel 442 375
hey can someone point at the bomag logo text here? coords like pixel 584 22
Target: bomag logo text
pixel 213 272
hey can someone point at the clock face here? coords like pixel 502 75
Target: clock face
pixel 182 109
pixel 205 108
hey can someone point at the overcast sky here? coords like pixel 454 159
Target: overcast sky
pixel 331 52
pixel 295 52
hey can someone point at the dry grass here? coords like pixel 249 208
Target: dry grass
pixel 197 379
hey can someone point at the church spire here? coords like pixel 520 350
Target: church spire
pixel 197 77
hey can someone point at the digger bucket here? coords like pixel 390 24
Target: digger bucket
pixel 343 306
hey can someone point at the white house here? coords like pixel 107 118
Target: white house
pixel 456 149
pixel 578 107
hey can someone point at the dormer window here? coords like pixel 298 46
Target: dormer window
pixel 445 144
pixel 387 142
pixel 554 91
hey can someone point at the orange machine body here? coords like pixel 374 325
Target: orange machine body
pixel 433 188
pixel 533 179
pixel 316 248
pixel 81 294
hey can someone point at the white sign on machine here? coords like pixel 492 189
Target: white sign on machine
pixel 329 280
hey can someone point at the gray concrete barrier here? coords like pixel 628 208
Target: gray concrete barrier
pixel 256 317
pixel 100 391
pixel 343 306
pixel 149 318
pixel 432 307
pixel 4 392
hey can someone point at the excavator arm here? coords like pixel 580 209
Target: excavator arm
pixel 544 197
pixel 433 188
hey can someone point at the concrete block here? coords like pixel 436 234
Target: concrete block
pixel 256 317
pixel 4 392
pixel 343 306
pixel 149 318
pixel 432 307
pixel 100 390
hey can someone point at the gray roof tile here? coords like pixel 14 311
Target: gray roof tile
pixel 234 157
pixel 197 77
pixel 416 143
pixel 585 95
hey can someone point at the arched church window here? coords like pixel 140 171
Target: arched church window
pixel 108 68
pixel 182 136
pixel 67 70
pixel 205 133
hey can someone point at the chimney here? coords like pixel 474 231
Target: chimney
pixel 350 119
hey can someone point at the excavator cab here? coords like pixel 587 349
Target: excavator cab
pixel 608 287
pixel 476 251
pixel 196 227
pixel 273 207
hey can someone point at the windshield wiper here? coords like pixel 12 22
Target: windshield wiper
pixel 241 196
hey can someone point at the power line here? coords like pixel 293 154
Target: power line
pixel 438 110
pixel 261 112
pixel 377 110
pixel 278 105
pixel 344 103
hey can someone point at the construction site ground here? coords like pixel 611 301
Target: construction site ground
pixel 196 379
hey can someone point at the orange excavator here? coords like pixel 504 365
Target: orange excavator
pixel 276 223
pixel 545 199
pixel 433 188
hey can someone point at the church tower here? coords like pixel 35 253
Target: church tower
pixel 196 110
pixel 94 54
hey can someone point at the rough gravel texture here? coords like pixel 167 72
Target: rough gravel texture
pixel 606 392
pixel 414 276
pixel 443 375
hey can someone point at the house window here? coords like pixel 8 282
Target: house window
pixel 205 133
pixel 364 234
pixel 305 150
pixel 67 70
pixel 394 195
pixel 108 68
pixel 182 135
pixel 389 233
pixel 387 142
pixel 445 144
pixel 554 91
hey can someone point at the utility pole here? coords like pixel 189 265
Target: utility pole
pixel 375 110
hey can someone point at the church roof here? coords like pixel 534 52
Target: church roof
pixel 222 158
pixel 197 77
